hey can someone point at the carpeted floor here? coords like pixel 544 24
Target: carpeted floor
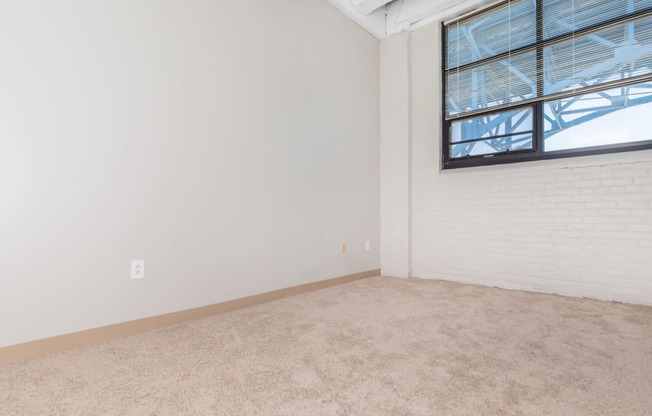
pixel 379 346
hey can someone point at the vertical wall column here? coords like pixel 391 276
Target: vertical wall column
pixel 395 157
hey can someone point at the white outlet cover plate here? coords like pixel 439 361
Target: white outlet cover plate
pixel 138 269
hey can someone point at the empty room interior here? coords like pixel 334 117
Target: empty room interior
pixel 326 207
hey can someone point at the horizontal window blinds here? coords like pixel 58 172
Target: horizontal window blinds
pixel 521 51
pixel 562 17
pixel 496 31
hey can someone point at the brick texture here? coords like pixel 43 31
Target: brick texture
pixel 578 227
pixel 395 157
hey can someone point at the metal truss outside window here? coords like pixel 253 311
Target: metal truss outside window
pixel 539 79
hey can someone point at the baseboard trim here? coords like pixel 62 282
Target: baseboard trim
pixel 40 348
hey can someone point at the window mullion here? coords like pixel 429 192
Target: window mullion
pixel 521 77
pixel 538 108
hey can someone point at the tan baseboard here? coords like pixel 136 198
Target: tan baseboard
pixel 39 348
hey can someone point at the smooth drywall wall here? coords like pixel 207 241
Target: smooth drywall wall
pixel 578 227
pixel 232 145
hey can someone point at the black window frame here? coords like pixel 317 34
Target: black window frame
pixel 537 104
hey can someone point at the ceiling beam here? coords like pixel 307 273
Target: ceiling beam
pixel 373 22
pixel 399 15
pixel 368 6
pixel 412 14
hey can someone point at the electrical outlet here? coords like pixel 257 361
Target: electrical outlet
pixel 343 248
pixel 367 246
pixel 138 269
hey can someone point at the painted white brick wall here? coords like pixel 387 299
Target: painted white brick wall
pixel 578 227
pixel 395 157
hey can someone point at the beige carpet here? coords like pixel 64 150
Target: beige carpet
pixel 379 346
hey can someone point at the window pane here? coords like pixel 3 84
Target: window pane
pixel 492 146
pixel 617 52
pixel 492 33
pixel 495 83
pixel 561 17
pixel 619 115
pixel 509 122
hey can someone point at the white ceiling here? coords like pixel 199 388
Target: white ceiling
pixel 383 18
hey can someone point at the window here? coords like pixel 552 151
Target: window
pixel 538 79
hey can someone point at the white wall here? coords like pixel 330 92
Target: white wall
pixel 395 156
pixel 232 145
pixel 578 227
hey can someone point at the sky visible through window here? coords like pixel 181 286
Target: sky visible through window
pixel 587 74
pixel 623 126
pixel 618 115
